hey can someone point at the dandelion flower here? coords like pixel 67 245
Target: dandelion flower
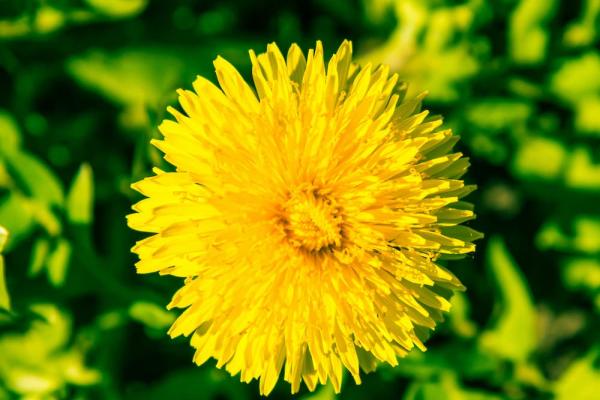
pixel 306 216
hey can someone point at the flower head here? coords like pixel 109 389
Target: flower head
pixel 306 216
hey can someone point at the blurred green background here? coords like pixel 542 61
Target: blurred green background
pixel 84 83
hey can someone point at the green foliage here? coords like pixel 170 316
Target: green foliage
pixel 583 274
pixel 81 197
pixel 85 83
pixel 585 238
pixel 188 384
pixel 10 137
pixel 583 172
pixel 151 315
pixel 584 31
pixel 580 381
pixel 40 362
pixel 4 299
pixel 149 74
pixel 423 51
pixel 494 115
pixel 539 158
pixel 527 31
pixel 446 389
pixel 58 261
pixel 34 178
pixel 118 8
pixel 587 70
pixel 513 335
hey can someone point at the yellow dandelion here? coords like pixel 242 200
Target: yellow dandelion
pixel 306 217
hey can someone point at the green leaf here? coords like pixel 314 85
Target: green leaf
pixel 186 384
pixel 39 253
pixel 44 216
pixel 583 31
pixel 539 158
pixel 447 388
pixel 587 117
pixel 496 114
pixel 513 333
pixel 490 148
pixel 10 136
pixel 47 333
pixel 4 299
pixel 58 262
pixel 37 361
pixel 81 196
pixel 17 217
pixel 581 171
pixel 528 35
pixel 582 273
pixel 325 392
pixel 75 371
pixel 464 357
pixel 376 10
pixel 34 178
pixel 580 381
pixel 118 8
pixel 151 315
pixel 150 74
pixel 530 375
pixel 3 238
pixel 49 19
pixel 29 383
pixel 587 70
pixel 425 391
pixel 585 238
pixel 551 236
pixel 458 318
pixel 423 51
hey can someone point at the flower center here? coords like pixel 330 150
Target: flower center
pixel 313 221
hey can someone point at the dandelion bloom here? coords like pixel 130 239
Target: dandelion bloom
pixel 306 216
